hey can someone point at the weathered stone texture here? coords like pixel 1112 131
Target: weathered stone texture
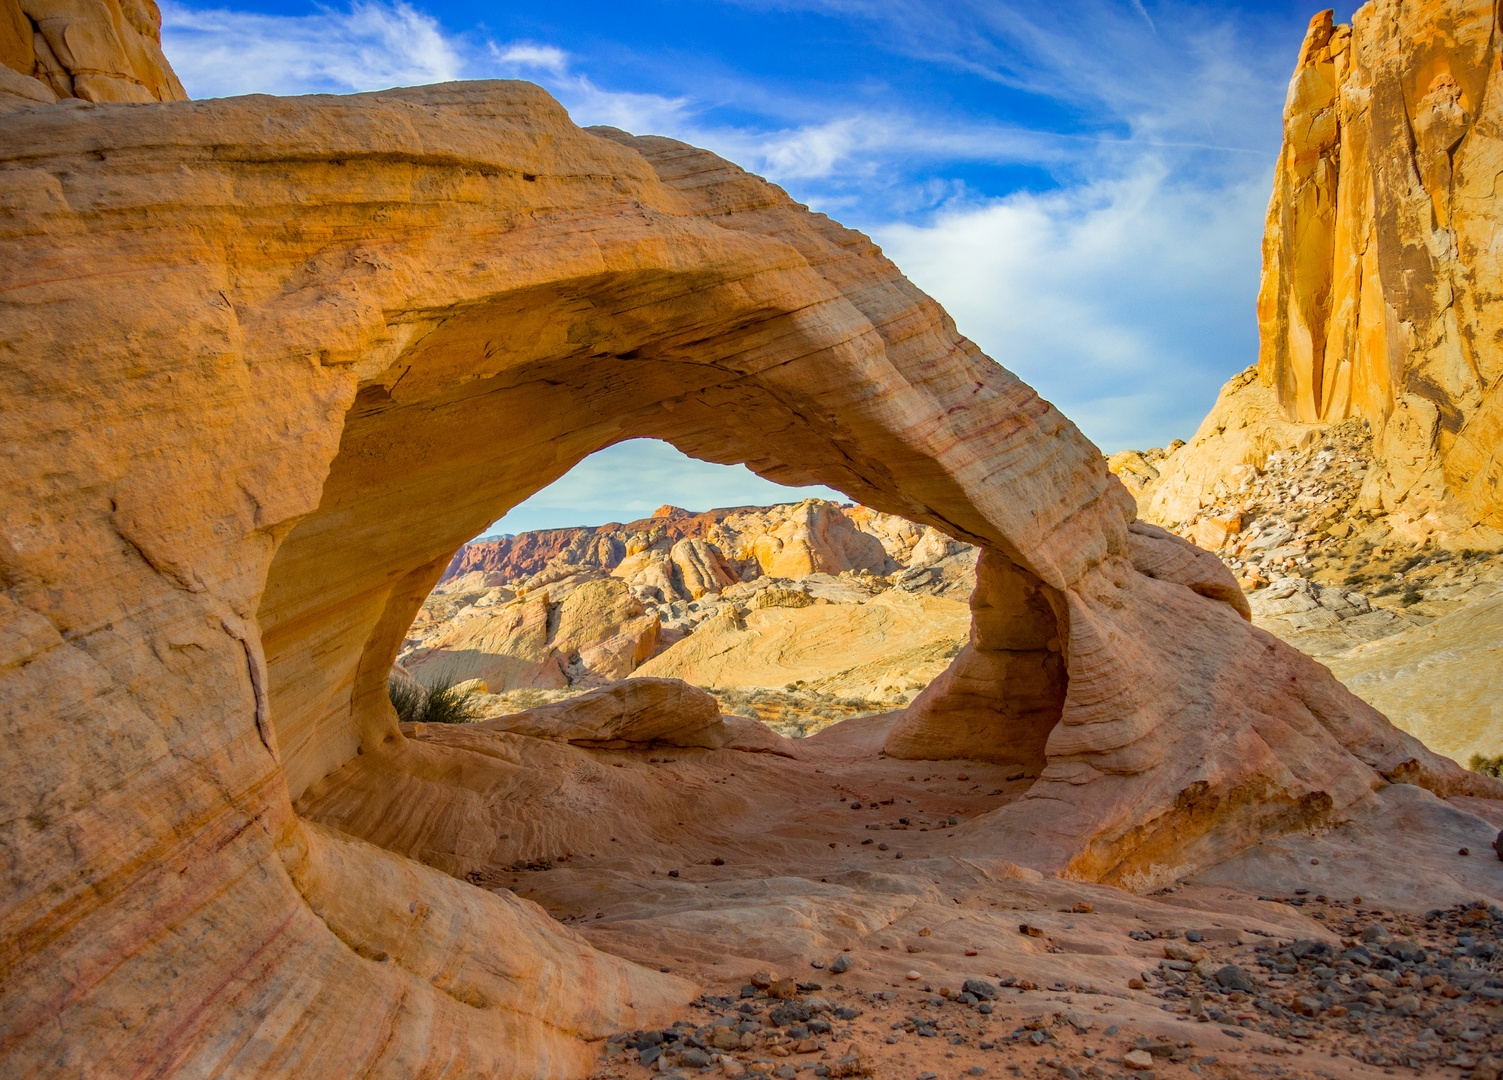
pixel 270 362
pixel 1380 270
pixel 94 50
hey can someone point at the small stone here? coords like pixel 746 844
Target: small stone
pixel 1030 931
pixel 1083 908
pixel 1464 851
pixel 761 980
pixel 841 965
pixel 1138 1059
pixel 717 861
pixel 782 989
pixel 1232 977
pixel 913 976
pixel 980 988
pixel 673 873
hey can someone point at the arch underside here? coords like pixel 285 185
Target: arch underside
pixel 325 341
pixel 426 461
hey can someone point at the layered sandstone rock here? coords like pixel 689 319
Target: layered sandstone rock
pixel 255 341
pixel 1378 271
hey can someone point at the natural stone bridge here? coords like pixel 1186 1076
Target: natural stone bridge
pixel 269 362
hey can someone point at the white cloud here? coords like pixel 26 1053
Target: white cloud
pixel 372 46
pixel 526 54
pixel 1126 302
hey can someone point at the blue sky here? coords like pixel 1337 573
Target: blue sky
pixel 1081 184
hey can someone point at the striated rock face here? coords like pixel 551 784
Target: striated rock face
pixel 1378 264
pixel 94 50
pixel 790 540
pixel 255 341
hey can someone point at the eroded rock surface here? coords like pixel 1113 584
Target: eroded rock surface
pixel 92 50
pixel 1378 271
pixel 256 338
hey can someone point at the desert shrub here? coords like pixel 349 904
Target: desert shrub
pixel 1487 766
pixel 407 698
pixel 446 705
pixel 1411 596
pixel 437 702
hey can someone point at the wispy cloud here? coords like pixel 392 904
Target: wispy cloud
pixel 1188 76
pixel 526 54
pixel 1126 301
pixel 372 46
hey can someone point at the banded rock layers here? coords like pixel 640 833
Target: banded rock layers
pixel 279 358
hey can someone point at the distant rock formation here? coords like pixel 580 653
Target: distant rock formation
pixel 814 536
pixel 1379 278
pixel 552 630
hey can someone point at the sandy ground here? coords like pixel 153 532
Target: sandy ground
pixel 722 866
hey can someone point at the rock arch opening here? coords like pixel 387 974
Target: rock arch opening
pixel 426 460
pixel 799 613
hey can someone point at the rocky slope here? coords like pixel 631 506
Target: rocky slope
pixel 1329 570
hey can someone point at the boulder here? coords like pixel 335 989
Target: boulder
pixel 631 711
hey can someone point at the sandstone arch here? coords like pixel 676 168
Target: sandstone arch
pixel 279 357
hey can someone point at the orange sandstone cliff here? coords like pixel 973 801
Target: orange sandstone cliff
pixel 93 50
pixel 1380 273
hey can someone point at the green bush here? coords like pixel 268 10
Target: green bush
pixel 437 702
pixel 1487 766
pixel 407 698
